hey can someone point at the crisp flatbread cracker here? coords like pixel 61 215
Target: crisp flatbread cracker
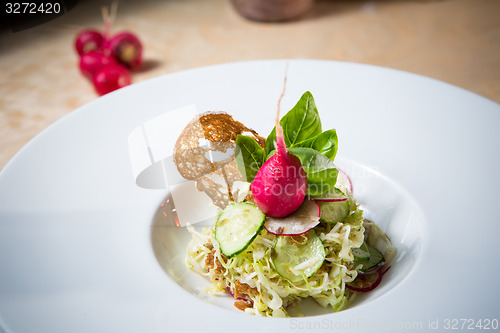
pixel 204 153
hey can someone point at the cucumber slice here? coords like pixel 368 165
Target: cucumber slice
pixel 334 205
pixel 368 256
pixel 237 226
pixel 333 211
pixel 361 254
pixel 298 257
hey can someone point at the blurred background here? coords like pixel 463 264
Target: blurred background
pixel 455 41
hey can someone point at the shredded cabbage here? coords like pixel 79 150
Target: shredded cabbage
pixel 269 294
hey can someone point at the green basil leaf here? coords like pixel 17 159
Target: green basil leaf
pixel 270 144
pixel 301 123
pixel 326 143
pixel 249 156
pixel 271 153
pixel 320 170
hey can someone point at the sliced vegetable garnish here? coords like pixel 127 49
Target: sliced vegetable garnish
pixel 367 282
pixel 296 258
pixel 301 221
pixel 361 254
pixel 375 236
pixel 375 258
pixel 344 182
pixel 237 226
pixel 335 209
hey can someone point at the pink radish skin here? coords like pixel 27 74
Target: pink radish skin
pixel 88 40
pixel 93 61
pixel 280 185
pixel 111 78
pixel 126 48
pixel 299 222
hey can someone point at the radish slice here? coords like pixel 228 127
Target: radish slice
pixel 299 222
pixel 344 182
pixel 366 285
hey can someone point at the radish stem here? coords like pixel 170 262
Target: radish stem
pixel 280 185
pixel 280 141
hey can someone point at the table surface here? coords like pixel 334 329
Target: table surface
pixel 455 41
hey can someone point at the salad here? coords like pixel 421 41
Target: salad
pixel 289 226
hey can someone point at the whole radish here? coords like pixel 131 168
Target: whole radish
pixel 88 40
pixel 93 61
pixel 126 48
pixel 280 185
pixel 111 78
pixel 106 59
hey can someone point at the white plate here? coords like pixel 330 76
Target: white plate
pixel 82 248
